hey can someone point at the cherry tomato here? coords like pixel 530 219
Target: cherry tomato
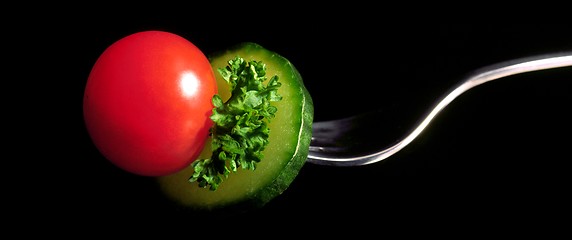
pixel 147 102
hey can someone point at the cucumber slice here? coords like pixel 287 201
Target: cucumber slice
pixel 286 153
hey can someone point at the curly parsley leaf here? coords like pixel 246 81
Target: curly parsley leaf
pixel 240 131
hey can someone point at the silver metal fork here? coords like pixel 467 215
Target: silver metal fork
pixel 341 142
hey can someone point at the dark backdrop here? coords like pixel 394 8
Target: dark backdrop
pixel 497 155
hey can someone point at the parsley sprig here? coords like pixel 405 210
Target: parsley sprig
pixel 240 131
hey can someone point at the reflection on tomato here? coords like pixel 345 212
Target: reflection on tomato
pixel 147 102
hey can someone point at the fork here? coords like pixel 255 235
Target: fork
pixel 343 142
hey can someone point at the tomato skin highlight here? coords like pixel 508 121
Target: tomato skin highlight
pixel 147 102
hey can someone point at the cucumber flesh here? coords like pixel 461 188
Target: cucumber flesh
pixel 286 153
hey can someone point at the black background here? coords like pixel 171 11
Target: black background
pixel 495 159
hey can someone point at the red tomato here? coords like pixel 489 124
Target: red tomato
pixel 147 102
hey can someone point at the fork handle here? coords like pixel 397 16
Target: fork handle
pixel 322 156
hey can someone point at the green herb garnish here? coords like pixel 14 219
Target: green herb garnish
pixel 240 131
